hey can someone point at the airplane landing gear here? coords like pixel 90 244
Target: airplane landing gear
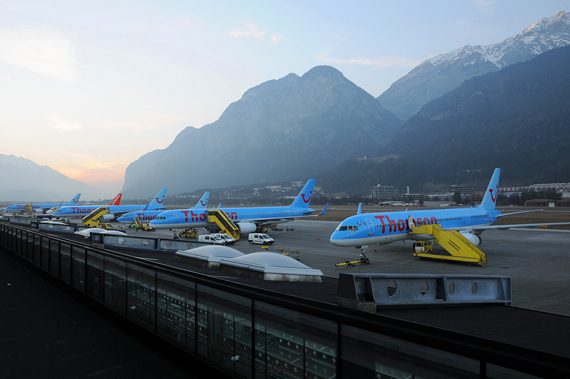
pixel 363 258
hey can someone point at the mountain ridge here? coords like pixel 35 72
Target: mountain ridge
pixel 438 75
pixel 289 128
pixel 32 182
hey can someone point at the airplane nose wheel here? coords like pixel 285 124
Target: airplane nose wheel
pixel 363 258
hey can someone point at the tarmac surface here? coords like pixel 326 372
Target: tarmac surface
pixel 537 260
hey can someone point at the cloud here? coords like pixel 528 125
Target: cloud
pixel 62 124
pixel 484 7
pixel 45 52
pixel 251 31
pixel 139 122
pixel 276 38
pixel 378 62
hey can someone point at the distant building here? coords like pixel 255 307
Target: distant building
pixel 557 187
pixel 463 190
pixel 540 203
pixel 379 192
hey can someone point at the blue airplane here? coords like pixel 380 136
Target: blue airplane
pixel 149 215
pixel 247 219
pixel 80 211
pixel 41 207
pixel 386 227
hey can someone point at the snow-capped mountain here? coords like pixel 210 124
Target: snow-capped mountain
pixel 436 76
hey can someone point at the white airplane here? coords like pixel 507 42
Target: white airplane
pixel 149 215
pixel 247 219
pixel 386 227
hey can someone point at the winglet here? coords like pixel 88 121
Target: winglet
pixel 324 210
pixel 203 202
pixel 359 209
pixel 490 198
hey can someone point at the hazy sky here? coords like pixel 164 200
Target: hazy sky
pixel 86 87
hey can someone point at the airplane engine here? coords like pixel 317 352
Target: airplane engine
pixel 109 217
pixel 246 227
pixel 472 237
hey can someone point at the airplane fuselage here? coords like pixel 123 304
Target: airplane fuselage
pixel 195 218
pixel 81 211
pixel 23 207
pixel 388 227
pixel 144 216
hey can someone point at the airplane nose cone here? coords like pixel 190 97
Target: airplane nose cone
pixel 333 238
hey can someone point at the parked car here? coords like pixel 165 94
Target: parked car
pixel 226 237
pixel 211 238
pixel 260 238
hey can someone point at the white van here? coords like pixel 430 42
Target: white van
pixel 261 238
pixel 226 237
pixel 211 238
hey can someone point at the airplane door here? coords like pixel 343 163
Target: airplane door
pixel 175 218
pixel 370 226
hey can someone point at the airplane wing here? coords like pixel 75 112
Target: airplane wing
pixel 489 227
pixel 279 220
pixel 268 221
pixel 517 213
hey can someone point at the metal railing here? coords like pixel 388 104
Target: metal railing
pixel 248 332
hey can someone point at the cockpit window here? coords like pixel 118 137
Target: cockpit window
pixel 347 228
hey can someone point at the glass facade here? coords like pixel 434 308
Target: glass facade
pixel 248 335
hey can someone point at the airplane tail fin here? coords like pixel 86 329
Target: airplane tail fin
pixel 75 200
pixel 304 197
pixel 158 200
pixel 490 198
pixel 203 202
pixel 117 200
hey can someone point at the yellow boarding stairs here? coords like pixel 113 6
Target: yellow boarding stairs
pixel 29 209
pixel 95 218
pixel 452 241
pixel 223 221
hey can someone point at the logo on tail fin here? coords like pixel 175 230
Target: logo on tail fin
pixel 309 199
pixel 201 202
pixel 159 201
pixel 494 198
